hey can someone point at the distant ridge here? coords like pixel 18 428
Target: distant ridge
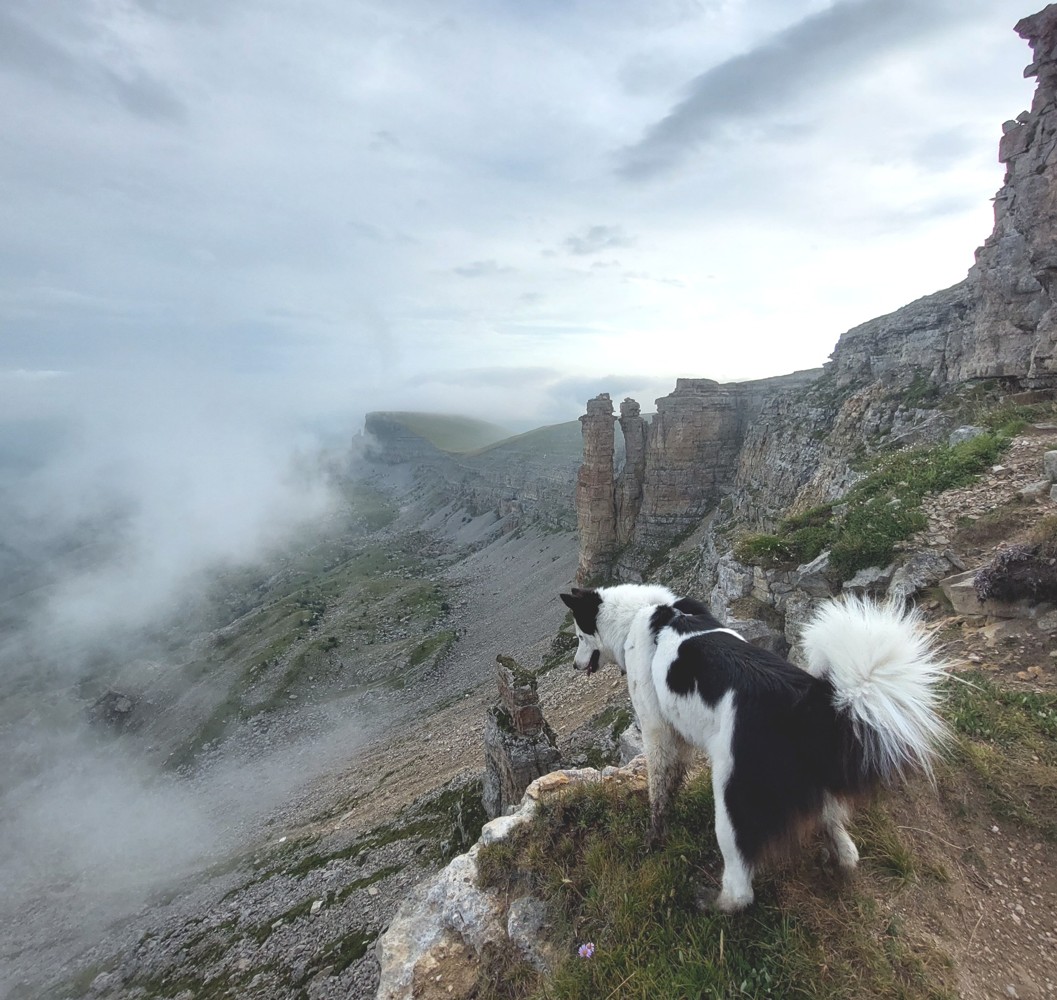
pixel 555 439
pixel 447 432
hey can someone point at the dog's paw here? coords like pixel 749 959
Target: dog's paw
pixel 730 903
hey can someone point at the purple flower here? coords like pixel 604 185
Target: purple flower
pixel 586 950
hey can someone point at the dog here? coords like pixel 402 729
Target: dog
pixel 791 749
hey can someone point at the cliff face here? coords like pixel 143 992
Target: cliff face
pixel 1014 280
pixel 788 443
pixel 676 468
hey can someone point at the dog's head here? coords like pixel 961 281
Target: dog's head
pixel 584 605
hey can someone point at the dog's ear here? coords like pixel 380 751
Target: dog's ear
pixel 571 599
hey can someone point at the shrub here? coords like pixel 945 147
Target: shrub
pixel 881 509
pixel 762 550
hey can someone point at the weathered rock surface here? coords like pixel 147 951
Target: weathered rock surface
pixel 596 515
pixel 443 928
pixel 518 745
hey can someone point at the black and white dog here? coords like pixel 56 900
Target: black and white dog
pixel 790 749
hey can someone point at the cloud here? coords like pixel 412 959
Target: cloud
pixel 78 69
pixel 595 239
pixel 481 269
pixel 767 79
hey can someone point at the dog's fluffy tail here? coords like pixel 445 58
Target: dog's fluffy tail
pixel 885 674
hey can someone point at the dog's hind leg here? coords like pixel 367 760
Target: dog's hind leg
pixel 667 758
pixel 736 891
pixel 834 816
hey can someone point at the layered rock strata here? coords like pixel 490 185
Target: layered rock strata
pixel 528 478
pixel 518 745
pixel 596 515
pixel 676 467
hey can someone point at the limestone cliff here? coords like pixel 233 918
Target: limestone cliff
pixel 790 442
pixel 676 468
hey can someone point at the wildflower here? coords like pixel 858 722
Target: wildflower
pixel 586 950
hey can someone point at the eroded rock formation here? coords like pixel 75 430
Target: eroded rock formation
pixel 518 744
pixel 596 515
pixel 676 467
pixel 441 932
pixel 771 450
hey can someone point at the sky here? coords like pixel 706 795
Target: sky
pixel 290 213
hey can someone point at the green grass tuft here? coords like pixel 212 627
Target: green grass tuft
pixel 881 509
pixel 1008 741
pixel 585 855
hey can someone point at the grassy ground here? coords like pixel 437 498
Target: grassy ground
pixel 810 933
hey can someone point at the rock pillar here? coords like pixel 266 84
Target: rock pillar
pixel 518 744
pixel 595 500
pixel 629 482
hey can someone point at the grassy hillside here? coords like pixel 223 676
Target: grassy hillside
pixel 552 441
pixel 449 432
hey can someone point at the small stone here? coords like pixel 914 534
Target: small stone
pixel 317 905
pixel 372 890
pixel 1011 991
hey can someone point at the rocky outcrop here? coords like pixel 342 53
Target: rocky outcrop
pixel 629 483
pixel 676 468
pixel 518 744
pixel 435 942
pixel 1014 280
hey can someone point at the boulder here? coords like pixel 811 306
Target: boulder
pixel 922 569
pixel 872 581
pixel 1049 465
pixel 967 433
pixel 960 591
pixel 445 925
pixel 813 578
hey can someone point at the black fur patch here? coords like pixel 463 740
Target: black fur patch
pixel 690 606
pixel 685 615
pixel 584 605
pixel 790 746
